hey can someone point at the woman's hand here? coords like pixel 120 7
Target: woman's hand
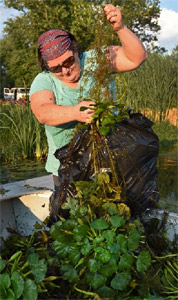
pixel 85 114
pixel 114 16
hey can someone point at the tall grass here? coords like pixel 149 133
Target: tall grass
pixel 153 86
pixel 22 136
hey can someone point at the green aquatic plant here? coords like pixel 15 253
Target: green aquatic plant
pixel 98 252
pixel 19 278
pixel 26 137
pixel 25 273
pixel 102 255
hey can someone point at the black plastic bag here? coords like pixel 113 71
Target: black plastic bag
pixel 134 148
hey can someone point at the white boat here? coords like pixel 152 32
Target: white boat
pixel 25 203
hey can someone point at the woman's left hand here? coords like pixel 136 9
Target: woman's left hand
pixel 114 16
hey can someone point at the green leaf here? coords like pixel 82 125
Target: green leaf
pixel 62 249
pixel 108 269
pixel 126 262
pixel 103 256
pixel 117 221
pixel 69 273
pixel 95 280
pixel 74 254
pixel 122 242
pixel 10 295
pixel 109 120
pixel 60 236
pixel 103 178
pixel 3 291
pixel 99 224
pixel 80 232
pixel 83 108
pixel 143 261
pixel 109 235
pixel 98 240
pixel 98 111
pixel 81 211
pixel 114 248
pixel 94 265
pixel 106 291
pixel 38 267
pixel 133 239
pixel 17 282
pixel 69 224
pixel 121 281
pixel 139 226
pixel 111 208
pixel 15 255
pixel 104 130
pixel 30 290
pixel 2 264
pixel 5 280
pixel 71 204
pixel 85 248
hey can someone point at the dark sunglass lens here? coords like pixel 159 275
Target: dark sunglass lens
pixel 66 64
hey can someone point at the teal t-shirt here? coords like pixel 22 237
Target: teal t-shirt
pixel 60 135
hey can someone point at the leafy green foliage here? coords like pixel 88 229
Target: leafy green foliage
pixel 121 281
pixel 87 255
pixel 98 191
pixel 20 278
pixel 143 261
pixel 107 114
pixel 105 254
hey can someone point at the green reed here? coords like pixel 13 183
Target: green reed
pixel 153 86
pixel 21 134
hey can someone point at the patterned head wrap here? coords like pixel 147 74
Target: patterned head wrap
pixel 53 43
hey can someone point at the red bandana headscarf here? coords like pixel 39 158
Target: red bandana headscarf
pixel 53 43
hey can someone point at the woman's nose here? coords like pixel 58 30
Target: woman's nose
pixel 65 71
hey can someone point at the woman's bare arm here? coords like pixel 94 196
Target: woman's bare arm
pixel 47 112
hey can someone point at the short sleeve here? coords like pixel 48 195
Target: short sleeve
pixel 41 82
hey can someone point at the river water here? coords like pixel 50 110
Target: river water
pixel 167 174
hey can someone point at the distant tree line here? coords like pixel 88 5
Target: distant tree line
pixel 155 79
pixel 19 44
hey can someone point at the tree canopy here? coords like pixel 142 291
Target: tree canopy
pixel 19 44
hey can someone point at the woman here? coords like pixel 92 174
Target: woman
pixel 56 93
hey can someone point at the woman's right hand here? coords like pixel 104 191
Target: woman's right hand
pixel 86 114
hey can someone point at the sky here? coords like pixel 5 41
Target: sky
pixel 167 38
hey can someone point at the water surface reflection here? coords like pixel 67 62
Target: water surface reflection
pixel 168 177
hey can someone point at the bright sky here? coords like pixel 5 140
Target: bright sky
pixel 168 36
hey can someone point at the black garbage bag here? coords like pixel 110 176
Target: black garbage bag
pixel 134 148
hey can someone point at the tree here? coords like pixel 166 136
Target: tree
pixel 77 16
pixel 5 80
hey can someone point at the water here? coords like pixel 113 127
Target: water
pixel 167 176
pixel 21 170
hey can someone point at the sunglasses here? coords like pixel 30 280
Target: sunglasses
pixel 66 64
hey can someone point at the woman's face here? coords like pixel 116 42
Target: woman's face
pixel 66 67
